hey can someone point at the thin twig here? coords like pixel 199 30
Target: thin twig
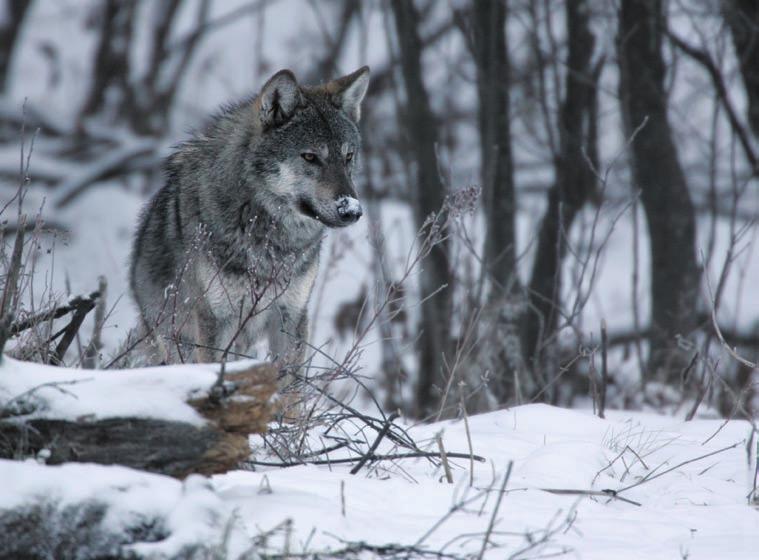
pixel 444 458
pixel 501 493
pixel 613 494
pixel 604 369
pixel 468 434
pixel 669 470
pixel 377 440
pixel 373 458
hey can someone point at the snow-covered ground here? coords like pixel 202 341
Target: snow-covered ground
pixel 41 391
pixel 696 510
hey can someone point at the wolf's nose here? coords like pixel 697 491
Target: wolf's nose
pixel 349 209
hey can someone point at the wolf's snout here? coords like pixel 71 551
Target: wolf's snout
pixel 349 209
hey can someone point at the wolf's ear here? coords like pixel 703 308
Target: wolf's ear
pixel 348 92
pixel 279 99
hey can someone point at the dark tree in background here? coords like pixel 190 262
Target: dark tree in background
pixel 421 138
pixel 490 48
pixel 110 86
pixel 574 183
pixel 521 87
pixel 742 16
pixel 143 104
pixel 663 188
pixel 14 12
pixel 488 42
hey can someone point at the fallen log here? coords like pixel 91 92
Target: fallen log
pixel 166 420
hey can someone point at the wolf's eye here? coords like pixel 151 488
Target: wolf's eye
pixel 349 156
pixel 309 157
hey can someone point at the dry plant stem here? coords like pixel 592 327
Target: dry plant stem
pixel 604 370
pixel 652 476
pixel 468 434
pixel 444 458
pixel 754 495
pixel 55 313
pixel 718 331
pixel 377 440
pixel 342 497
pixel 373 458
pixel 14 270
pixel 91 352
pixel 71 330
pixel 458 506
pixel 703 389
pixel 612 494
pixel 501 493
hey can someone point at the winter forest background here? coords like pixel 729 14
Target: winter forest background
pixel 589 163
pixel 560 196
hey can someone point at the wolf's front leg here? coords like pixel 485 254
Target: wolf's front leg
pixel 287 335
pixel 204 335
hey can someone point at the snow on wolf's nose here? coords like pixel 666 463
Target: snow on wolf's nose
pixel 349 209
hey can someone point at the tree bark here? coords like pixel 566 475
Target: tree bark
pixel 497 171
pixel 421 135
pixel 664 191
pixel 488 41
pixel 574 185
pixel 15 11
pixel 110 75
pixel 742 17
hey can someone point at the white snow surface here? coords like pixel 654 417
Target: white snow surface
pixel 70 394
pixel 698 510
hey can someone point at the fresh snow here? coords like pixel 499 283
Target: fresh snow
pixel 699 510
pixel 70 394
pixel 348 205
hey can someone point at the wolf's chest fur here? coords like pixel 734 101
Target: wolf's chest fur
pixel 264 298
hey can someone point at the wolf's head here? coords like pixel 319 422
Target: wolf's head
pixel 307 148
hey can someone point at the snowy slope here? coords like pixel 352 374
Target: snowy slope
pixel 698 510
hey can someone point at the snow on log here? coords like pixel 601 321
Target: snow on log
pixel 161 419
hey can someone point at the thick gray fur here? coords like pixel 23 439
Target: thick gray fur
pixel 237 228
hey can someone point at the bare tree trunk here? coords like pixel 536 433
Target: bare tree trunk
pixel 664 192
pixel 110 83
pixel 150 114
pixel 421 135
pixel 144 104
pixel 574 184
pixel 493 82
pixel 742 16
pixel 489 45
pixel 327 65
pixel 14 11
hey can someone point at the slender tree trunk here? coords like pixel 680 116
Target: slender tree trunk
pixel 489 44
pixel 742 16
pixel 497 172
pixel 664 192
pixel 110 84
pixel 143 104
pixel 327 64
pixel 574 185
pixel 14 11
pixel 421 135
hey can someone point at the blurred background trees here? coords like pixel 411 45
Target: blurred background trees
pixel 613 144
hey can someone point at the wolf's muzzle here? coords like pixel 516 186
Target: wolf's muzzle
pixel 349 209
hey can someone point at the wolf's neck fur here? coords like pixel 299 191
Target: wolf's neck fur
pixel 241 218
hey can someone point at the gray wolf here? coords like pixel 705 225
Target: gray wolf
pixel 227 251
